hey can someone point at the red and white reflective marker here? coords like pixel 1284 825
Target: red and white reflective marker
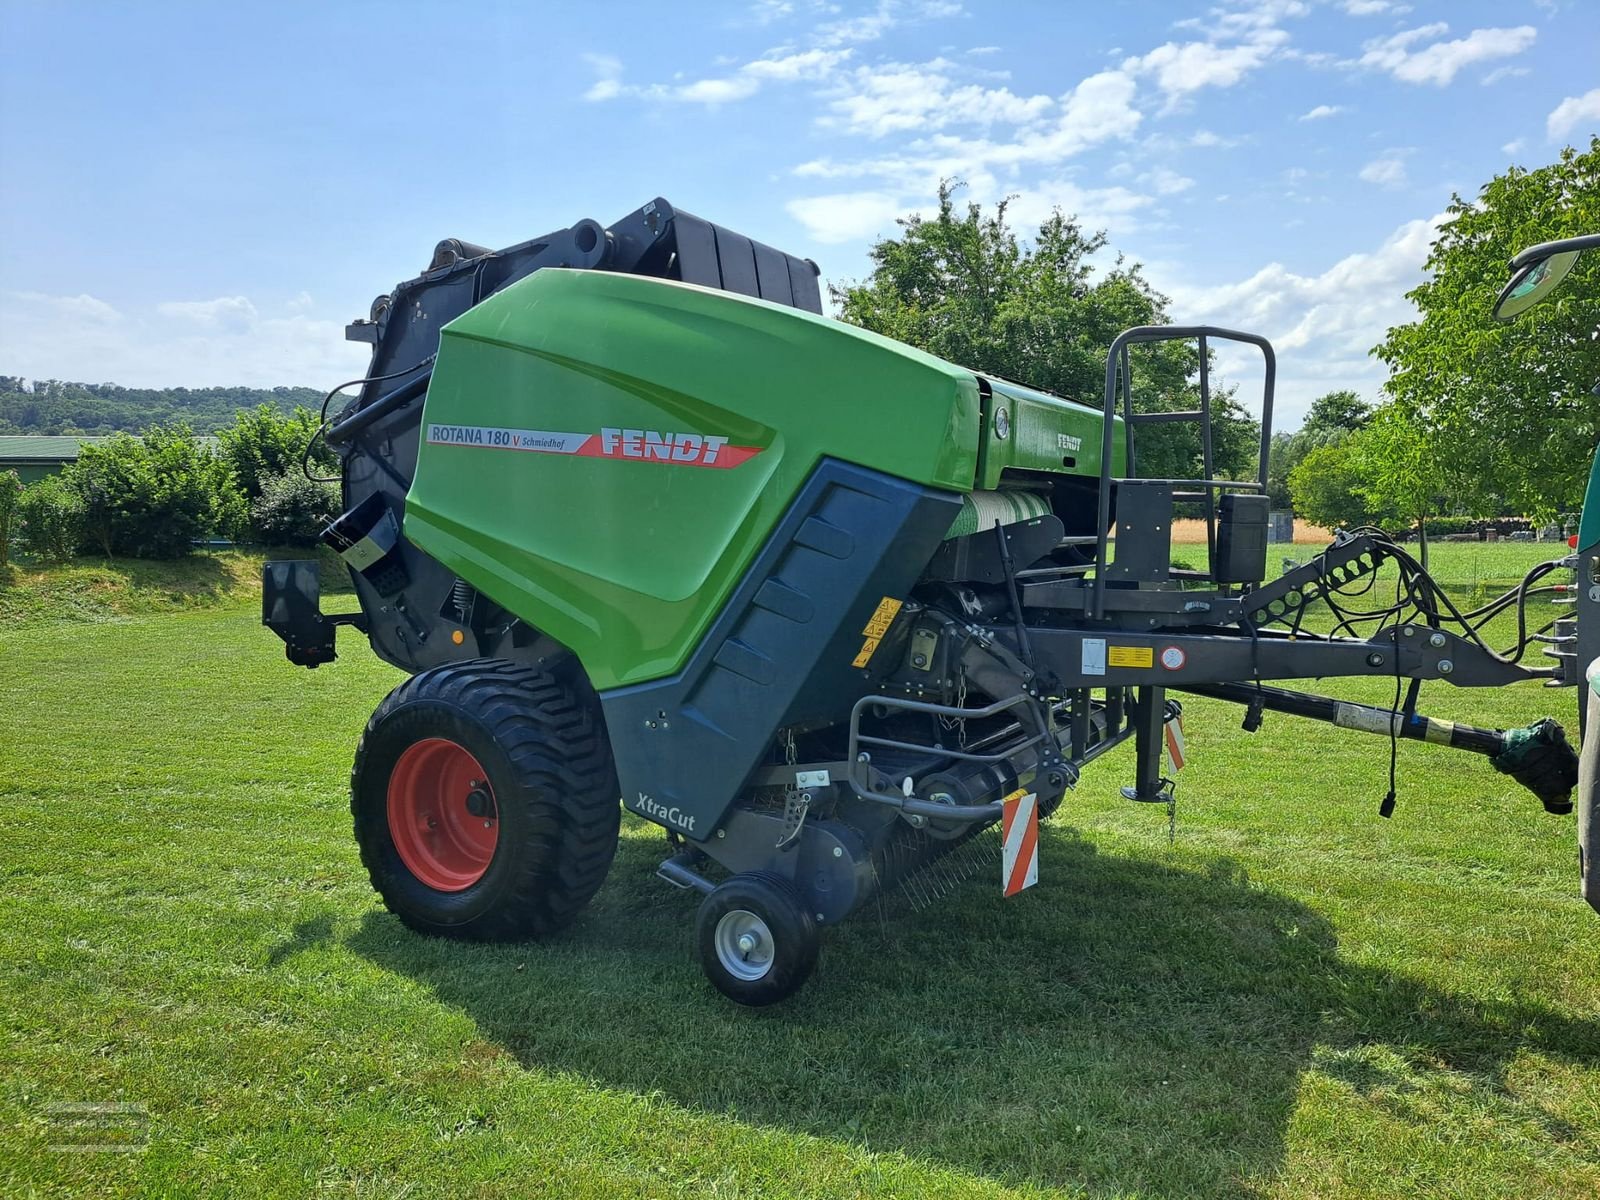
pixel 1019 832
pixel 1175 746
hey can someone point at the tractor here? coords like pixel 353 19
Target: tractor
pixel 642 524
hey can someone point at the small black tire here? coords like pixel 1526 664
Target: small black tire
pixel 781 938
pixel 550 789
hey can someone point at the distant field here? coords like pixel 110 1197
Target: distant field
pixel 1193 533
pixel 1294 999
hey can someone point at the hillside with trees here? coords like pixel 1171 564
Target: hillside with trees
pixel 53 406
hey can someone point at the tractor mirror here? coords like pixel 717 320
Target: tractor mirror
pixel 1537 272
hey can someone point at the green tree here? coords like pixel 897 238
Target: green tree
pixel 51 519
pixel 292 510
pixel 962 286
pixel 54 406
pixel 10 495
pixel 263 443
pixel 1332 417
pixel 1509 405
pixel 1401 474
pixel 152 497
pixel 1327 487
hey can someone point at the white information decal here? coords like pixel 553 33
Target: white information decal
pixel 1094 656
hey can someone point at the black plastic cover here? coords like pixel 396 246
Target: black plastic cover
pixel 1242 538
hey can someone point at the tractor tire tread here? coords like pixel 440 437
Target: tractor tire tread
pixel 556 742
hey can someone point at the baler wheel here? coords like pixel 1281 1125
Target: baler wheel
pixel 485 801
pixel 757 941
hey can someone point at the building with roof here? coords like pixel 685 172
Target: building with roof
pixel 33 456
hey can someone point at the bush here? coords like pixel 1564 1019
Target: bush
pixel 10 492
pixel 152 497
pixel 291 509
pixel 1451 526
pixel 51 519
pixel 264 445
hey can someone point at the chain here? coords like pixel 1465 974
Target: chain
pixel 790 754
pixel 959 724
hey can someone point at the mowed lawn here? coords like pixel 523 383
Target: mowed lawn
pixel 1294 998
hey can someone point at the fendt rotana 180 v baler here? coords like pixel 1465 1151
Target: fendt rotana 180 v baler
pixel 641 522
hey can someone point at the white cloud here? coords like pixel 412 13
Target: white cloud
pixel 1323 325
pixel 1513 147
pixel 1571 112
pixel 1322 111
pixel 179 343
pixel 765 12
pixel 229 311
pixel 1387 170
pixel 741 84
pixel 608 84
pixel 80 309
pixel 983 50
pixel 1371 8
pixel 807 64
pixel 869 27
pixel 1245 19
pixel 1439 61
pixel 1167 182
pixel 1117 210
pixel 1183 68
pixel 900 97
pixel 846 216
pixel 1099 109
pixel 1499 73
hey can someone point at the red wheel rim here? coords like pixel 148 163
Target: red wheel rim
pixel 445 844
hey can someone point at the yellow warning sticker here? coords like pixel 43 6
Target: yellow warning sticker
pixel 1130 656
pixel 882 617
pixel 868 648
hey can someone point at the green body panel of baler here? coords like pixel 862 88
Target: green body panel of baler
pixel 570 466
pixel 1046 433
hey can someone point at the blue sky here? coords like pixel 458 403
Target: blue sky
pixel 203 194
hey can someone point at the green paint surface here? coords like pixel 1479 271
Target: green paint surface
pixel 1589 521
pixel 1046 433
pixel 616 546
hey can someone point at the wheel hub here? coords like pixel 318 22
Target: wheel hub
pixel 442 814
pixel 744 944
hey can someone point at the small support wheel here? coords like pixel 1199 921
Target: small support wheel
pixel 757 940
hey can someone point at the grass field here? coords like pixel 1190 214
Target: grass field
pixel 1293 999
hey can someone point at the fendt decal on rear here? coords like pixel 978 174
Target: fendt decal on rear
pixel 640 445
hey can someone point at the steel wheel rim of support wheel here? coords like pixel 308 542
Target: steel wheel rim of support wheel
pixel 744 945
pixel 435 832
pixel 757 939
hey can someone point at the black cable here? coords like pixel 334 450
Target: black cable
pixel 1386 809
pixel 322 415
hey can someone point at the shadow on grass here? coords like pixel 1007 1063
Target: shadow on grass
pixel 1128 1027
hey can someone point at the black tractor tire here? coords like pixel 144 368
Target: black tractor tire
pixel 549 794
pixel 783 950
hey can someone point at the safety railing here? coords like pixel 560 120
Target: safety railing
pixel 1119 380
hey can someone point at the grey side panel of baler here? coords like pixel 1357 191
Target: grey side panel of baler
pixel 781 650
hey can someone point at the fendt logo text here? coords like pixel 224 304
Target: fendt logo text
pixel 668 447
